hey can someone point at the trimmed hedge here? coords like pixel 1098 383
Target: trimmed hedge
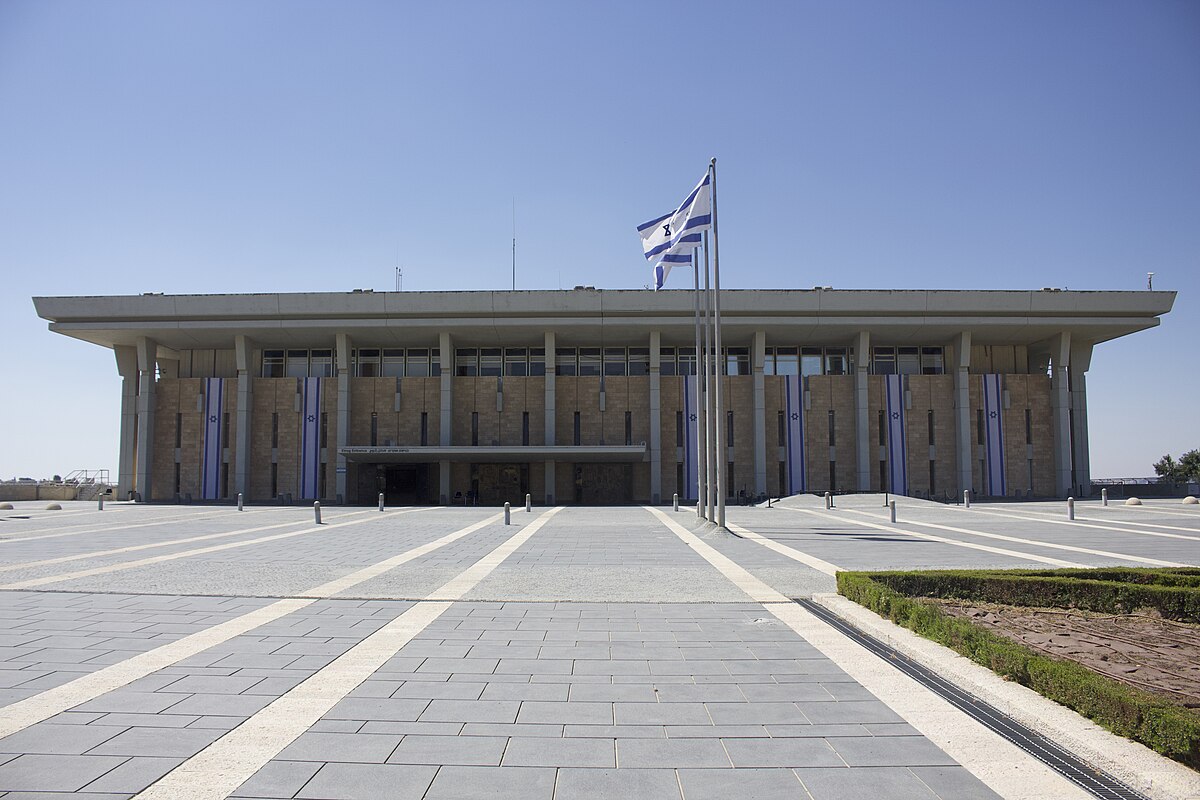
pixel 1170 729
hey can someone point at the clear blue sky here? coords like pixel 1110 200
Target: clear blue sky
pixel 300 146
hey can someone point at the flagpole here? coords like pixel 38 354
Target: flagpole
pixel 722 478
pixel 700 440
pixel 710 455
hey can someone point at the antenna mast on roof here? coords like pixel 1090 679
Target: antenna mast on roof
pixel 399 279
pixel 514 257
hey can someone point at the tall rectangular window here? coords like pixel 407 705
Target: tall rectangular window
pixel 729 429
pixel 537 361
pixel 392 365
pixel 589 361
pixel 614 361
pixel 1028 427
pixel 883 360
pixel 297 364
pixel 836 362
pixel 782 429
pixel 908 360
pixel 812 361
pixel 366 362
pixel 628 428
pixel 320 364
pixel 435 362
pixel 466 362
pixel 685 361
pixel 272 364
pixel 931 429
pixel 424 428
pixel 577 439
pixel 416 362
pixel 666 361
pixel 787 361
pixel 679 429
pixel 737 361
pixel 883 427
pixel 274 432
pixel 565 361
pixel 639 361
pixel 474 428
pixel 178 430
pixel 490 365
pixel 979 432
pixel 932 361
pixel 374 429
pixel 516 361
pixel 525 428
pixel 832 428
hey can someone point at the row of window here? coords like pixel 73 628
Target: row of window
pixel 420 362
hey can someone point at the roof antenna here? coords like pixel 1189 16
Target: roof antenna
pixel 514 260
pixel 399 279
pixel 1150 281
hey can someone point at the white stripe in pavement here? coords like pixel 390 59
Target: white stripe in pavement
pixel 1017 554
pixel 216 548
pixel 136 547
pixel 1051 545
pixel 1004 767
pixel 784 550
pixel 42 706
pixel 217 770
pixel 1087 522
pixel 114 528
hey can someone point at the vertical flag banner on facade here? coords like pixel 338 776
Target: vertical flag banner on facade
pixel 793 409
pixel 993 421
pixel 690 478
pixel 310 437
pixel 670 239
pixel 214 451
pixel 897 445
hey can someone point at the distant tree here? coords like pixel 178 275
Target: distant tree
pixel 1187 468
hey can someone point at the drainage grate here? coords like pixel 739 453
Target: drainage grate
pixel 1094 781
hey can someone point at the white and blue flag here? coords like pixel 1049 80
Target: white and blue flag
pixel 897 445
pixel 214 444
pixel 993 413
pixel 310 438
pixel 671 238
pixel 793 407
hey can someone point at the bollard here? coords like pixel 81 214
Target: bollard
pixel 676 501
pixel 528 503
pixel 886 496
pixel 769 502
pixel 507 514
pixel 832 501
pixel 1104 496
pixel 892 509
pixel 1070 508
pixel 317 511
pixel 967 498
pixel 239 501
pixel 100 501
pixel 381 501
pixel 828 500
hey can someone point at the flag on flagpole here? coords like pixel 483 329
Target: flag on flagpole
pixel 670 239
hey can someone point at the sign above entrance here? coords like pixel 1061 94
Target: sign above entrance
pixel 496 454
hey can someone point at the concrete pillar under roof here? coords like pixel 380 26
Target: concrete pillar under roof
pixel 1060 410
pixel 655 418
pixel 758 353
pixel 549 421
pixel 127 369
pixel 147 359
pixel 343 365
pixel 962 409
pixel 446 428
pixel 862 409
pixel 1081 361
pixel 243 349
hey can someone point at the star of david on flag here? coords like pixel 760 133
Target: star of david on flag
pixel 671 238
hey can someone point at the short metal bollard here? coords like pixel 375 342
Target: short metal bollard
pixel 528 503
pixel 1104 496
pixel 967 498
pixel 828 500
pixel 892 509
pixel 239 501
pixel 507 514
pixel 317 511
pixel 676 501
pixel 1070 508
pixel 381 501
pixel 886 497
pixel 100 502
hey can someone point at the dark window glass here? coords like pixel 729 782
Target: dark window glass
pixel 537 361
pixel 1028 427
pixel 639 361
pixel 424 428
pixel 474 428
pixel 614 361
pixel 525 428
pixel 931 431
pixel 374 429
pixel 666 361
pixel 179 430
pixel 589 361
pixel 564 361
pixel 577 431
pixel 832 428
pixel 628 428
pixel 679 429
pixel 782 429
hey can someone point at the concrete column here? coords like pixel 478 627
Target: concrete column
pixel 758 354
pixel 147 359
pixel 446 354
pixel 550 414
pixel 862 410
pixel 962 409
pixel 244 356
pixel 344 366
pixel 127 369
pixel 1081 360
pixel 655 418
pixel 1060 410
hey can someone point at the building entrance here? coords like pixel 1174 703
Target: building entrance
pixel 603 484
pixel 497 484
pixel 401 484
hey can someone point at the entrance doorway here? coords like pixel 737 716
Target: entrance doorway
pixel 497 484
pixel 603 484
pixel 401 484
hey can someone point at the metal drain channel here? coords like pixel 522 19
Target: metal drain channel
pixel 1096 782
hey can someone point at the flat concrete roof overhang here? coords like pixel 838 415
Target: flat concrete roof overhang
pixel 589 316
pixel 496 454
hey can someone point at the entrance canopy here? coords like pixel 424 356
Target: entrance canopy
pixel 493 454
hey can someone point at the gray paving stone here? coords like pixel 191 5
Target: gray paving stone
pixel 722 784
pixel 492 783
pixel 54 773
pixel 222 705
pixel 610 693
pixel 782 753
pixel 525 752
pixel 134 775
pixel 862 712
pixel 554 692
pixel 615 731
pixel 891 751
pixel 661 714
pixel 369 782
pixel 759 713
pixel 515 729
pixel 50 739
pixel 436 690
pixel 368 708
pixel 606 784
pixel 132 702
pixel 180 743
pixel 341 747
pixel 566 713
pixel 471 711
pixel 482 751
pixel 884 783
pixel 670 753
pixel 954 782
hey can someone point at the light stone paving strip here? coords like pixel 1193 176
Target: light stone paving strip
pixel 220 768
pixel 1089 522
pixel 1052 545
pixel 791 552
pixel 149 546
pixel 115 528
pixel 999 764
pixel 142 562
pixel 42 706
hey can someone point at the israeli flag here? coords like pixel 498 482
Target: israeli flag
pixel 670 239
pixel 214 451
pixel 310 437
pixel 897 446
pixel 793 409
pixel 993 420
pixel 690 487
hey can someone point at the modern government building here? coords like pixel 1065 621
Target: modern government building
pixel 587 396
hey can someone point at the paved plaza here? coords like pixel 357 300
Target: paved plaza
pixel 201 652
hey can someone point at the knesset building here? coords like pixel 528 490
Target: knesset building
pixel 587 396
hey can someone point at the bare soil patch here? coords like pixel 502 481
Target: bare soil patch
pixel 1156 655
